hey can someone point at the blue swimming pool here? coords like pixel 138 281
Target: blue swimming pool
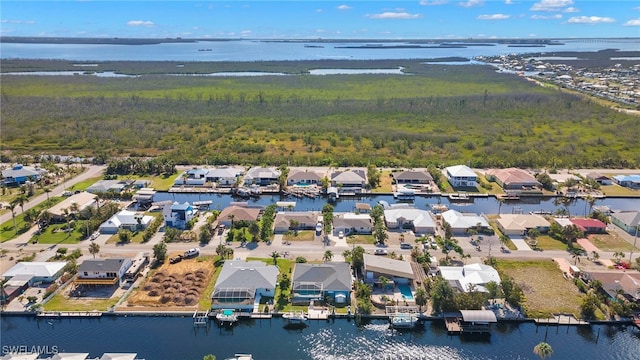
pixel 405 290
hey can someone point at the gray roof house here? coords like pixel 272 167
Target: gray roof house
pixel 241 284
pixel 103 271
pixel 303 177
pixel 399 271
pixel 262 176
pixel 628 221
pixel 354 180
pixel 331 280
pixel 224 176
pixel 412 177
pixel 350 223
pixel 306 220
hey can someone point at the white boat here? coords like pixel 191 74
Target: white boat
pixel 227 316
pixel 241 357
pixel 297 316
pixel 403 320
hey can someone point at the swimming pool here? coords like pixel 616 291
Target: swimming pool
pixel 405 290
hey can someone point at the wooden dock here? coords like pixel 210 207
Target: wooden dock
pixel 558 320
pixel 67 314
pixel 453 325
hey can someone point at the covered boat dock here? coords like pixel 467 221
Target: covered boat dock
pixel 471 321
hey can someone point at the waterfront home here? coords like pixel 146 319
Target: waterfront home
pixel 351 223
pixel 630 181
pixel 262 176
pixel 14 287
pixel 328 281
pixel 37 271
pixel 19 174
pixel 615 284
pixel 513 179
pixel 144 196
pixel 590 226
pixel 472 276
pixel 104 186
pixel 241 284
pixel 354 181
pixel 178 215
pixel 628 221
pixel 108 271
pixel 225 176
pixel 461 223
pixel 599 178
pixel 235 213
pixel 194 177
pixel 412 177
pixel 409 217
pixel 83 201
pixel 520 224
pixel 295 220
pixel 303 178
pixel 461 176
pixel 398 271
pixel 125 220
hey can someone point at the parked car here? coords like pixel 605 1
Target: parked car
pixel 380 252
pixel 406 246
pixel 340 235
pixel 192 253
pixel 318 228
pixel 175 259
pixel 221 229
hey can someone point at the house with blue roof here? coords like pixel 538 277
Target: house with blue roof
pixel 178 215
pixel 630 181
pixel 19 174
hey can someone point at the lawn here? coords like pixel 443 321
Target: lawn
pixel 617 190
pixel 160 183
pixel 546 242
pixel 83 185
pixel 57 234
pixel 7 231
pixel 286 268
pixel 61 302
pixel 360 239
pixel 205 298
pixel 301 235
pixel 546 290
pixel 385 183
pixel 610 242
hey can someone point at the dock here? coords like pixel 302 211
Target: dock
pixel 560 319
pixel 200 318
pixel 68 314
pixel 471 322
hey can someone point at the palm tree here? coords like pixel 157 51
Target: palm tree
pixel 94 249
pixel 595 256
pixel 565 202
pixel 328 255
pixel 275 255
pixel 12 207
pixel 500 202
pixel 21 200
pixel 543 350
pixel 591 201
pixel 618 255
pixel 421 297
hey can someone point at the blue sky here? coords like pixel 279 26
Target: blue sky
pixel 416 19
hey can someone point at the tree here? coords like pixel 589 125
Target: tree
pixel 442 296
pixel 124 236
pixel 328 255
pixel 160 251
pixel 94 249
pixel 12 207
pixel 571 233
pixel 254 230
pixel 500 202
pixel 383 282
pixel 357 257
pixel 205 234
pixel 543 350
pixel 209 357
pixel 595 256
pixel 380 234
pixel 275 255
pixel 589 305
pixel 565 202
pixel 421 297
pixel 618 255
pixel 21 200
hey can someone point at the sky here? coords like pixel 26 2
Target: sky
pixel 303 19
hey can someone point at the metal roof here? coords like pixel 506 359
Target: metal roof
pixel 479 316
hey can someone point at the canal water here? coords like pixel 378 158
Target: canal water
pixel 175 338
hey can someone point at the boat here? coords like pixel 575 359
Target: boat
pixel 241 357
pixel 439 208
pixel 297 316
pixel 403 320
pixel 227 316
pixel 405 194
pixel 461 197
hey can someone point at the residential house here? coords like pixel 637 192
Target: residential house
pixel 104 186
pixel 630 181
pixel 126 220
pixel 329 281
pixel 144 196
pixel 36 271
pixel 599 178
pixel 460 223
pixel 590 226
pixel 103 271
pixel 14 287
pixel 262 176
pixel 563 222
pixel 19 174
pixel 295 220
pixel 628 221
pixel 461 176
pixel 349 180
pixel 303 178
pixel 193 177
pixel 350 223
pixel 84 201
pixel 513 179
pixel 465 278
pixel 235 213
pixel 401 217
pixel 616 284
pixel 178 215
pixel 520 224
pixel 241 284
pixel 412 177
pixel 397 271
pixel 225 176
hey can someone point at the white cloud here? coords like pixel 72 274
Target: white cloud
pixel 140 23
pixel 493 17
pixel 571 10
pixel 543 17
pixel 28 22
pixel 432 2
pixel 551 5
pixel 590 20
pixel 245 32
pixel 508 2
pixel 343 7
pixel 634 22
pixel 394 15
pixel 470 3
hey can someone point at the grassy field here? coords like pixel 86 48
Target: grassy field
pixel 545 289
pixel 301 235
pixel 617 190
pixel 7 230
pixel 610 242
pixel 546 242
pixel 440 115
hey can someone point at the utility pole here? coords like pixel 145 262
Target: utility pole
pixel 635 238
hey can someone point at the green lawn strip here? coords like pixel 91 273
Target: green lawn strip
pixel 301 235
pixel 62 303
pixel 158 182
pixel 385 183
pixel 57 234
pixel 546 242
pixel 84 184
pixel 205 298
pixel 617 190
pixel 546 291
pixel 610 242
pixel 361 239
pixel 7 231
pixel 286 268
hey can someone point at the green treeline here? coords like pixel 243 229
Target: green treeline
pixel 444 115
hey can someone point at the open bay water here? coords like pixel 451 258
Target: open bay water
pixel 258 50
pixel 175 338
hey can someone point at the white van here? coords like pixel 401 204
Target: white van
pixel 192 253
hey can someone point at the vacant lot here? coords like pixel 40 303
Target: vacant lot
pixel 610 242
pixel 545 289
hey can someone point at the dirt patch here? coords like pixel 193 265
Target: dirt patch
pixel 173 286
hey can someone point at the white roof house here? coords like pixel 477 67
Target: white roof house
pixel 461 222
pixel 126 219
pixel 83 200
pixel 352 223
pixel 262 176
pixel 478 275
pixel 519 224
pixel 564 222
pixel 39 271
pixel 461 175
pixel 420 220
